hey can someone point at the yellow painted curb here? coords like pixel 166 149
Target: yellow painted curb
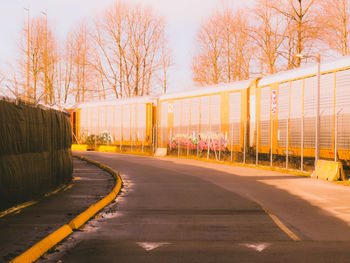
pixel 44 245
pixel 16 208
pixel 79 147
pixel 54 238
pixel 107 148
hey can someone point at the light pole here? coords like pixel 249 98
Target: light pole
pixel 28 55
pixel 45 60
pixel 318 89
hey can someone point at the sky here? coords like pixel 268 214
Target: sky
pixel 183 18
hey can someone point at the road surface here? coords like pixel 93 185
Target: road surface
pixel 176 210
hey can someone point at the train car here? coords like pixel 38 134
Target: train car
pixel 286 111
pixel 208 117
pixel 119 122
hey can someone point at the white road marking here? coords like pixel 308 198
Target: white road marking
pixel 257 246
pixel 151 245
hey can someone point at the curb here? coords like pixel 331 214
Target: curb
pixel 40 248
pixel 248 165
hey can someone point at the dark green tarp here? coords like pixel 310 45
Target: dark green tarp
pixel 35 151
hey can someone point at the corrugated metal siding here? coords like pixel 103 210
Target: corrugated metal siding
pixel 326 110
pixel 102 119
pixel 118 122
pixel 84 121
pixel 133 109
pixel 141 122
pixel 126 122
pixel 283 112
pixel 177 116
pixel 94 120
pixel 186 114
pixel 195 115
pixel 204 114
pixel 163 121
pixel 235 118
pixel 296 113
pixel 342 93
pixel 215 119
pixel 265 116
pixel 310 112
pixel 110 121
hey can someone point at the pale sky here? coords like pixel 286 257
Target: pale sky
pixel 183 18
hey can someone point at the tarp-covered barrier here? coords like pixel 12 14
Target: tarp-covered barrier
pixel 35 152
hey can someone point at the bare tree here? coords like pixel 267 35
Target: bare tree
pixel 166 63
pixel 206 62
pixel 130 41
pixel 112 39
pixel 268 34
pixel 50 66
pixel 39 68
pixel 335 22
pixel 82 71
pixel 32 51
pixel 224 49
pixel 302 31
pixel 64 70
pixel 14 87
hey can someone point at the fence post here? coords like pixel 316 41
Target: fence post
pixel 302 144
pixel 208 146
pixel 257 144
pixel 271 141
pixel 336 136
pixel 287 144
pixel 198 145
pixel 143 139
pixel 244 139
pixel 219 146
pixel 95 138
pixel 188 140
pixel 232 142
pixel 214 146
pixel 153 139
pixel 120 139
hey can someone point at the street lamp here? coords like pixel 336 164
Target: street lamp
pixel 317 142
pixel 28 55
pixel 45 60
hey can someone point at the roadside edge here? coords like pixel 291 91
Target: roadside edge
pixel 40 248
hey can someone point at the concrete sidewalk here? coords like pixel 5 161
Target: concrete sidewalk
pixel 21 230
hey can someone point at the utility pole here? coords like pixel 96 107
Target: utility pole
pixel 28 55
pixel 46 88
pixel 317 147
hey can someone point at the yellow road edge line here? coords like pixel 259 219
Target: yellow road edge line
pixel 33 202
pixel 16 208
pixel 278 222
pixel 282 226
pixel 40 248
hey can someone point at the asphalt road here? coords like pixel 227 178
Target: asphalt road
pixel 173 210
